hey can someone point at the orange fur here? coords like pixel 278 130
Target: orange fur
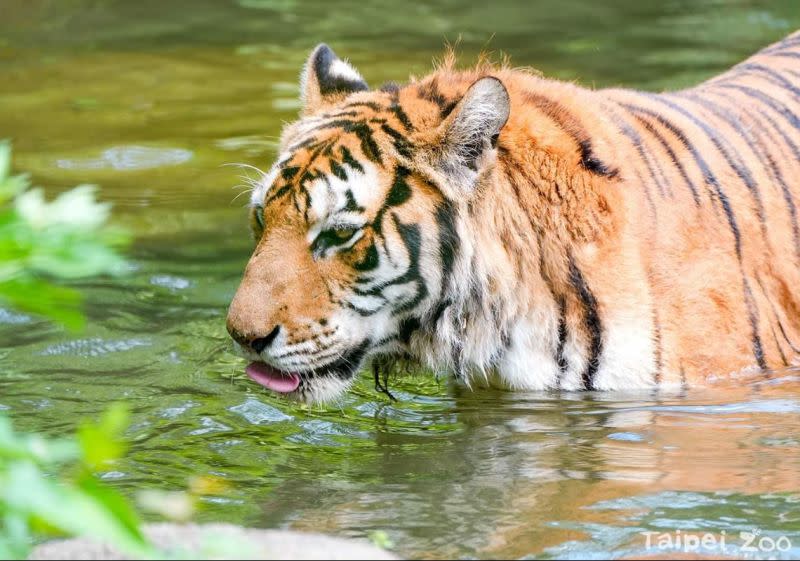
pixel 655 235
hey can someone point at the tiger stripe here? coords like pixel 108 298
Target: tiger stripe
pixel 530 233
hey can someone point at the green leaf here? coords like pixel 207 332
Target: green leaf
pixel 103 442
pixel 34 295
pixel 116 506
pixel 5 159
pixel 76 259
pixel 87 511
pixel 381 539
pixel 34 447
pixel 66 238
pixel 75 209
pixel 12 186
pixel 15 542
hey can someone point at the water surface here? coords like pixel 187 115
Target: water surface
pixel 149 99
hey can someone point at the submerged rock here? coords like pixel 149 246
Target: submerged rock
pixel 222 541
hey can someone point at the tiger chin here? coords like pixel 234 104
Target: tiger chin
pixel 528 233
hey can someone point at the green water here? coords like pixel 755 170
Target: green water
pixel 149 99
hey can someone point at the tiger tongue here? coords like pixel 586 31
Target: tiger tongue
pixel 272 378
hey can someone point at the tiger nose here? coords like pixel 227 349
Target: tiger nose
pixel 258 344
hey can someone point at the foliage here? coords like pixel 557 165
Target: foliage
pixel 66 238
pixel 381 539
pixel 74 503
pixel 48 488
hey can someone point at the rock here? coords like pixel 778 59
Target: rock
pixel 222 541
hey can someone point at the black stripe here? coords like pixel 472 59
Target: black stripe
pixel 370 260
pixel 784 54
pixel 338 170
pixel 364 133
pixel 592 323
pixel 364 313
pixel 789 42
pixel 369 104
pixel 766 100
pixel 658 343
pixel 772 76
pixel 430 92
pixel 399 113
pixel 570 124
pixel 341 114
pixel 277 194
pixel 449 242
pixel 400 191
pixel 289 172
pixel 347 158
pixel 638 144
pixel 401 143
pixel 786 337
pixel 312 140
pixel 775 313
pixel 708 175
pixel 673 157
pixel 730 154
pixel 352 205
pixel 322 147
pixel 439 311
pixel 759 152
pixel 778 345
pixel 752 310
pixel 591 163
pixel 712 180
pixel 407 328
pixel 561 360
pixel 774 167
pixel 412 239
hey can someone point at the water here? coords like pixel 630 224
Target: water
pixel 149 99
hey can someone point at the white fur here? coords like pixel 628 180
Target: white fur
pixel 481 114
pixel 266 181
pixel 326 389
pixel 342 69
pixel 529 363
pixel 574 354
pixel 628 359
pixel 328 199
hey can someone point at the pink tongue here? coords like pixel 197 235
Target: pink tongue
pixel 271 378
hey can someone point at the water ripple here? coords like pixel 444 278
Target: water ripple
pixel 130 158
pixel 95 346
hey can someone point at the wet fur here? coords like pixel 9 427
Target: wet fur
pixel 608 239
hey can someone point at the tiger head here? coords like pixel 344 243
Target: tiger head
pixel 357 224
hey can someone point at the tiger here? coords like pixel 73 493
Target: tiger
pixel 525 233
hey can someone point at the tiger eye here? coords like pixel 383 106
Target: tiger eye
pixel 344 234
pixel 332 238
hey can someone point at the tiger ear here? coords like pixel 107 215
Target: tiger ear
pixel 469 134
pixel 326 79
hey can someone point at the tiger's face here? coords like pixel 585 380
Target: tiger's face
pixel 356 229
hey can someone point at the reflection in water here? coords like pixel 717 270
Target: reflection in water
pixel 149 99
pixel 527 474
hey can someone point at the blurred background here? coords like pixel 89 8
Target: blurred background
pixel 149 99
